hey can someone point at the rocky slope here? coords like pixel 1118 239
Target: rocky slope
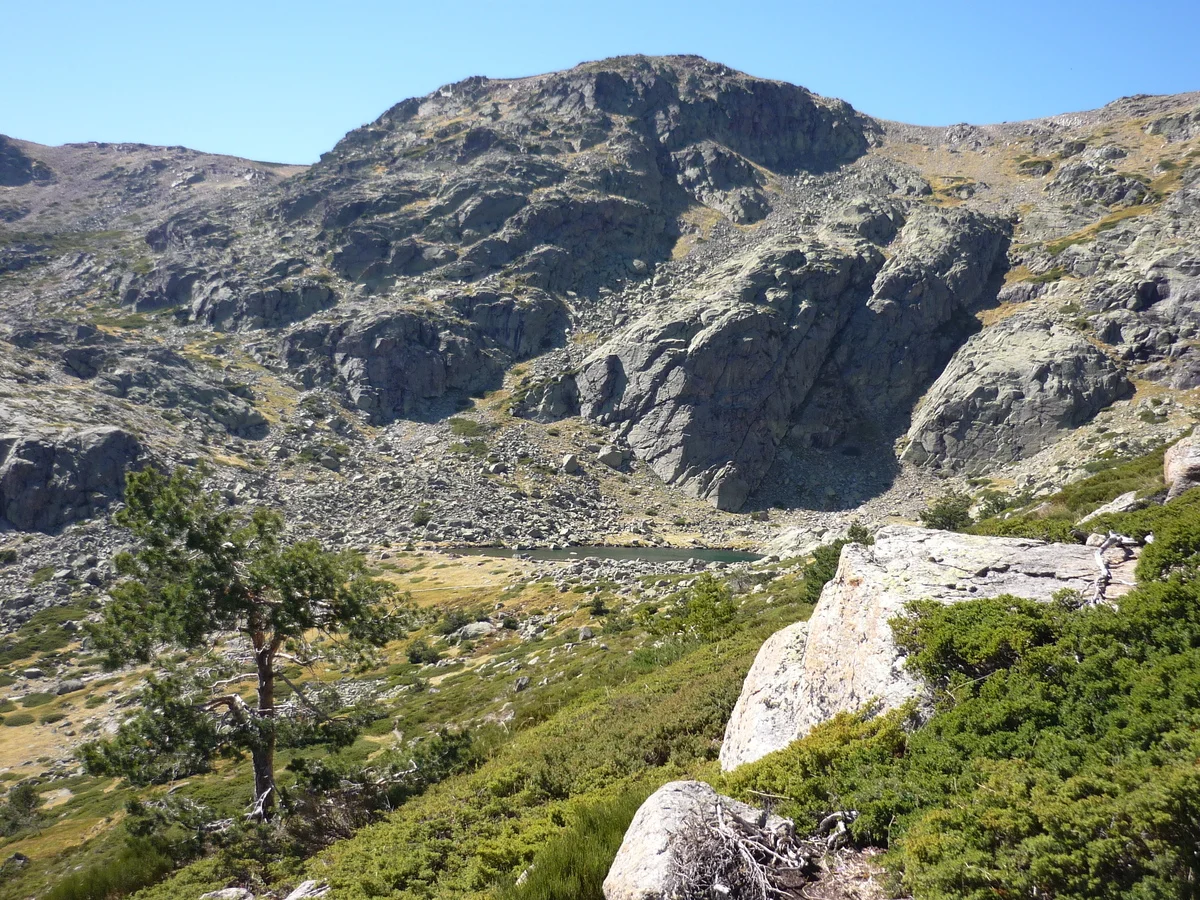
pixel 717 293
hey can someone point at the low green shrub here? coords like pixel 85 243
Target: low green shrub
pixel 572 865
pixel 467 428
pixel 419 652
pixel 950 512
pixel 135 867
pixel 824 563
pixel 1054 517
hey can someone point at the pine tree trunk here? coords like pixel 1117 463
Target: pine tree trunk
pixel 263 752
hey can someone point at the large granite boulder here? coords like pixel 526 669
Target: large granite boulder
pixel 50 480
pixel 645 867
pixel 768 704
pixel 1181 466
pixel 1011 391
pixel 849 660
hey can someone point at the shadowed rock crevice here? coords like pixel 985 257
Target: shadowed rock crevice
pixel 48 481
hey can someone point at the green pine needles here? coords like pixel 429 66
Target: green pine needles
pixel 204 573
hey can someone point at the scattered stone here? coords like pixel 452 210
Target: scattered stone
pixel 1127 502
pixel 307 890
pixel 233 893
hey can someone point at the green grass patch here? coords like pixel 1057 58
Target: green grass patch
pixel 135 867
pixel 573 864
pixel 1055 274
pixel 43 633
pixel 1053 518
pixel 467 428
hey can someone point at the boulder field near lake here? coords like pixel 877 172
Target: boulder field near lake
pixel 643 302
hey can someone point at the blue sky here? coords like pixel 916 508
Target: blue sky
pixel 283 81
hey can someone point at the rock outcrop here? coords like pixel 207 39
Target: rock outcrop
pixel 849 660
pixel 566 177
pixel 766 711
pixel 1181 466
pixel 946 265
pixel 705 389
pixel 50 480
pixel 394 361
pixel 1011 391
pixel 17 168
pixel 153 376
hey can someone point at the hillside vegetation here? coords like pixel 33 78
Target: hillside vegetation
pixel 1060 758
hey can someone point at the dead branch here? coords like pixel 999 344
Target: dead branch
pixel 722 855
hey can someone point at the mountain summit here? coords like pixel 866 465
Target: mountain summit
pixel 740 282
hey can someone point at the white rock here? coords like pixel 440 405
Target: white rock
pixel 850 660
pixel 1124 503
pixel 1181 466
pixel 763 719
pixel 475 630
pixel 612 457
pixel 642 867
pixel 307 890
pixel 234 893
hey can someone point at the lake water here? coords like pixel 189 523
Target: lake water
pixel 649 554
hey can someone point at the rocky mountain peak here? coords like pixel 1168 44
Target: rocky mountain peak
pixel 734 280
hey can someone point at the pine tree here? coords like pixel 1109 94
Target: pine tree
pixel 203 573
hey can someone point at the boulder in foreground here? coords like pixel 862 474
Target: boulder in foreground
pixel 1181 466
pixel 664 834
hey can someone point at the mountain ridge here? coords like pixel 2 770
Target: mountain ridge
pixel 508 236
